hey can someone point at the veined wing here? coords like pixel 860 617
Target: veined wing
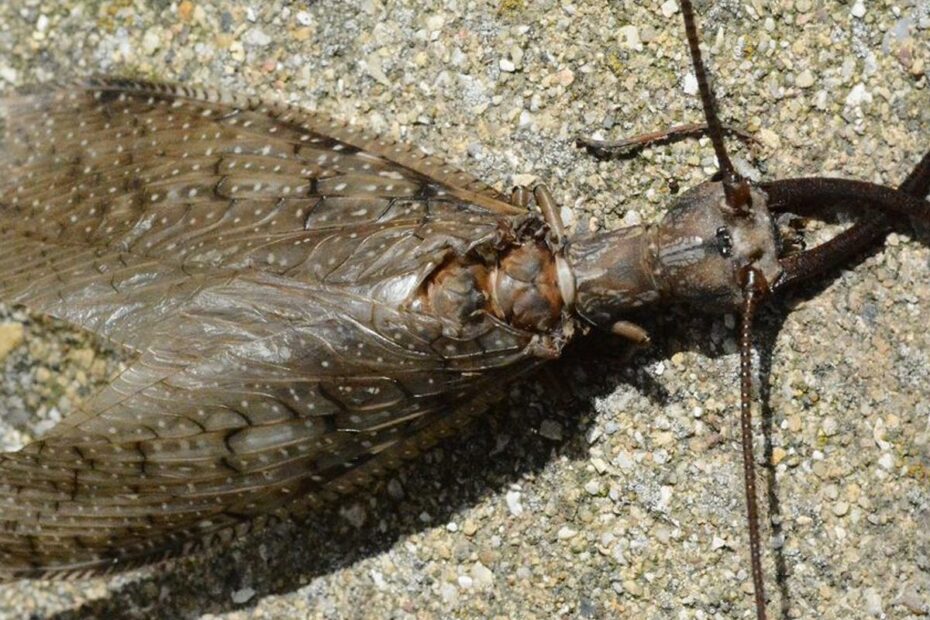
pixel 258 261
pixel 118 182
pixel 310 392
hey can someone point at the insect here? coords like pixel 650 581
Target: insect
pixel 565 294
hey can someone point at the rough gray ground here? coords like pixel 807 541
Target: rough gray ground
pixel 618 494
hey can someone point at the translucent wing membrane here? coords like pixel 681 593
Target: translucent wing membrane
pixel 260 263
pixel 118 186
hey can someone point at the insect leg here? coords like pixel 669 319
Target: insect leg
pixel 917 182
pixel 520 197
pixel 626 147
pixel 549 209
pixel 632 332
pixel 564 274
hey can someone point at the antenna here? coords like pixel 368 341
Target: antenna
pixel 735 187
pixel 754 286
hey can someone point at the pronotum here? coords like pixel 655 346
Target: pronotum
pixel 640 578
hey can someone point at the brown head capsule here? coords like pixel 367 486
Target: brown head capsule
pixel 693 256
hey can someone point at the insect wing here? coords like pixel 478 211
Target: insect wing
pixel 200 435
pixel 259 269
pixel 118 183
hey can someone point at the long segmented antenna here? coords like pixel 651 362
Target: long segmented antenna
pixel 754 286
pixel 735 187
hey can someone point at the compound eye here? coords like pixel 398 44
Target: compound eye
pixel 724 242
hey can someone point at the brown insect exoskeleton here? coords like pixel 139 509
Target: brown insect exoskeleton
pixel 308 306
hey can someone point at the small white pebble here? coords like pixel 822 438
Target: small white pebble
pixel 669 8
pixel 566 533
pixel 805 79
pixel 886 461
pixel 629 38
pixel 858 9
pixel 242 595
pixel 690 84
pixel 873 603
pixel 481 575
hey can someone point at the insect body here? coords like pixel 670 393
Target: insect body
pixel 301 307
pixel 307 306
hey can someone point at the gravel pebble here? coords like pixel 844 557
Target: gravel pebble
pixel 481 575
pixel 805 79
pixel 11 336
pixel 550 429
pixel 513 503
pixel 242 596
pixel 566 533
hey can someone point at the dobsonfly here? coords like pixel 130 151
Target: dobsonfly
pixel 576 275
